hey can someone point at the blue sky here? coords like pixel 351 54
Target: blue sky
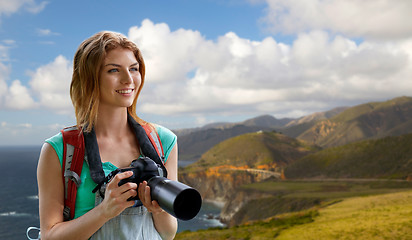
pixel 206 60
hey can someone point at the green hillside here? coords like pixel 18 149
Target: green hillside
pixel 194 144
pixel 365 121
pixel 255 149
pixel 389 157
pixel 365 215
pixel 375 217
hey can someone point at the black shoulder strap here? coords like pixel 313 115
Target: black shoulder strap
pixel 146 146
pixel 93 156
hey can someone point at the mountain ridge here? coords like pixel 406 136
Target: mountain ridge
pixel 335 127
pixel 365 121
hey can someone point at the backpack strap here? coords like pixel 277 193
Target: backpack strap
pixel 73 155
pixel 155 140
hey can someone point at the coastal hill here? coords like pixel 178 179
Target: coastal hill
pixel 385 158
pixel 196 141
pixel 245 159
pixel 366 121
pixel 262 150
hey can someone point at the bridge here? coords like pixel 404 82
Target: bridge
pixel 262 174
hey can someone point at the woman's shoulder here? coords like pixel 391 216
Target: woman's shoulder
pixel 55 138
pixel 164 132
pixel 56 142
pixel 167 137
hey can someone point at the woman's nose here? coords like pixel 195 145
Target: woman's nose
pixel 127 78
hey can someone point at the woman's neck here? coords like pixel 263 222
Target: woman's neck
pixel 112 123
pixel 116 140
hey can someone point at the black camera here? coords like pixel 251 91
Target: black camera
pixel 174 197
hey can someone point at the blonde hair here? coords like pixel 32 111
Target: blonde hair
pixel 84 88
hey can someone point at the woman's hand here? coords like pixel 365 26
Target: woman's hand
pixel 51 202
pixel 164 223
pixel 115 197
pixel 144 196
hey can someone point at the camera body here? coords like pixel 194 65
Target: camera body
pixel 143 169
pixel 174 197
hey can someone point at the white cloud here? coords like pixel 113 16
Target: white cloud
pixel 384 19
pixel 159 44
pixel 188 74
pixel 48 88
pixel 4 53
pixel 34 7
pixel 25 125
pixel 9 42
pixel 26 133
pixel 8 7
pixel 5 70
pixel 51 83
pixel 18 97
pixel 46 32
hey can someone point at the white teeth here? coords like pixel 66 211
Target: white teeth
pixel 125 91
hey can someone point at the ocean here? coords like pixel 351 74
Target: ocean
pixel 19 204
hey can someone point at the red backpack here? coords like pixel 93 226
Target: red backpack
pixel 73 156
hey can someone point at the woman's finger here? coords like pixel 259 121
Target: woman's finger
pixel 120 176
pixel 145 197
pixel 116 197
pixel 140 191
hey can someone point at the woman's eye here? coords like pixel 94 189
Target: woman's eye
pixel 113 70
pixel 134 69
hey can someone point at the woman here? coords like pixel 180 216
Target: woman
pixel 108 75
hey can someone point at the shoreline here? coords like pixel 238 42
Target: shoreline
pixel 216 203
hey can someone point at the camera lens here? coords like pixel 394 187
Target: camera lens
pixel 176 198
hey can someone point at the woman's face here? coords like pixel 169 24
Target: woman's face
pixel 119 78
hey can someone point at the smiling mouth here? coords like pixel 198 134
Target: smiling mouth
pixel 125 91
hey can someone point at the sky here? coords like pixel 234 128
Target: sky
pixel 206 60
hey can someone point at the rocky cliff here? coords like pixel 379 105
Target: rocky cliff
pixel 245 159
pixel 221 183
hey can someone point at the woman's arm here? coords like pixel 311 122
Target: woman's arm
pixel 164 223
pixel 51 201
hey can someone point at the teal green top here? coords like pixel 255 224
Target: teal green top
pixel 85 198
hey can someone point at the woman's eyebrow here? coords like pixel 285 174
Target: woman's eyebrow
pixel 117 65
pixel 112 64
